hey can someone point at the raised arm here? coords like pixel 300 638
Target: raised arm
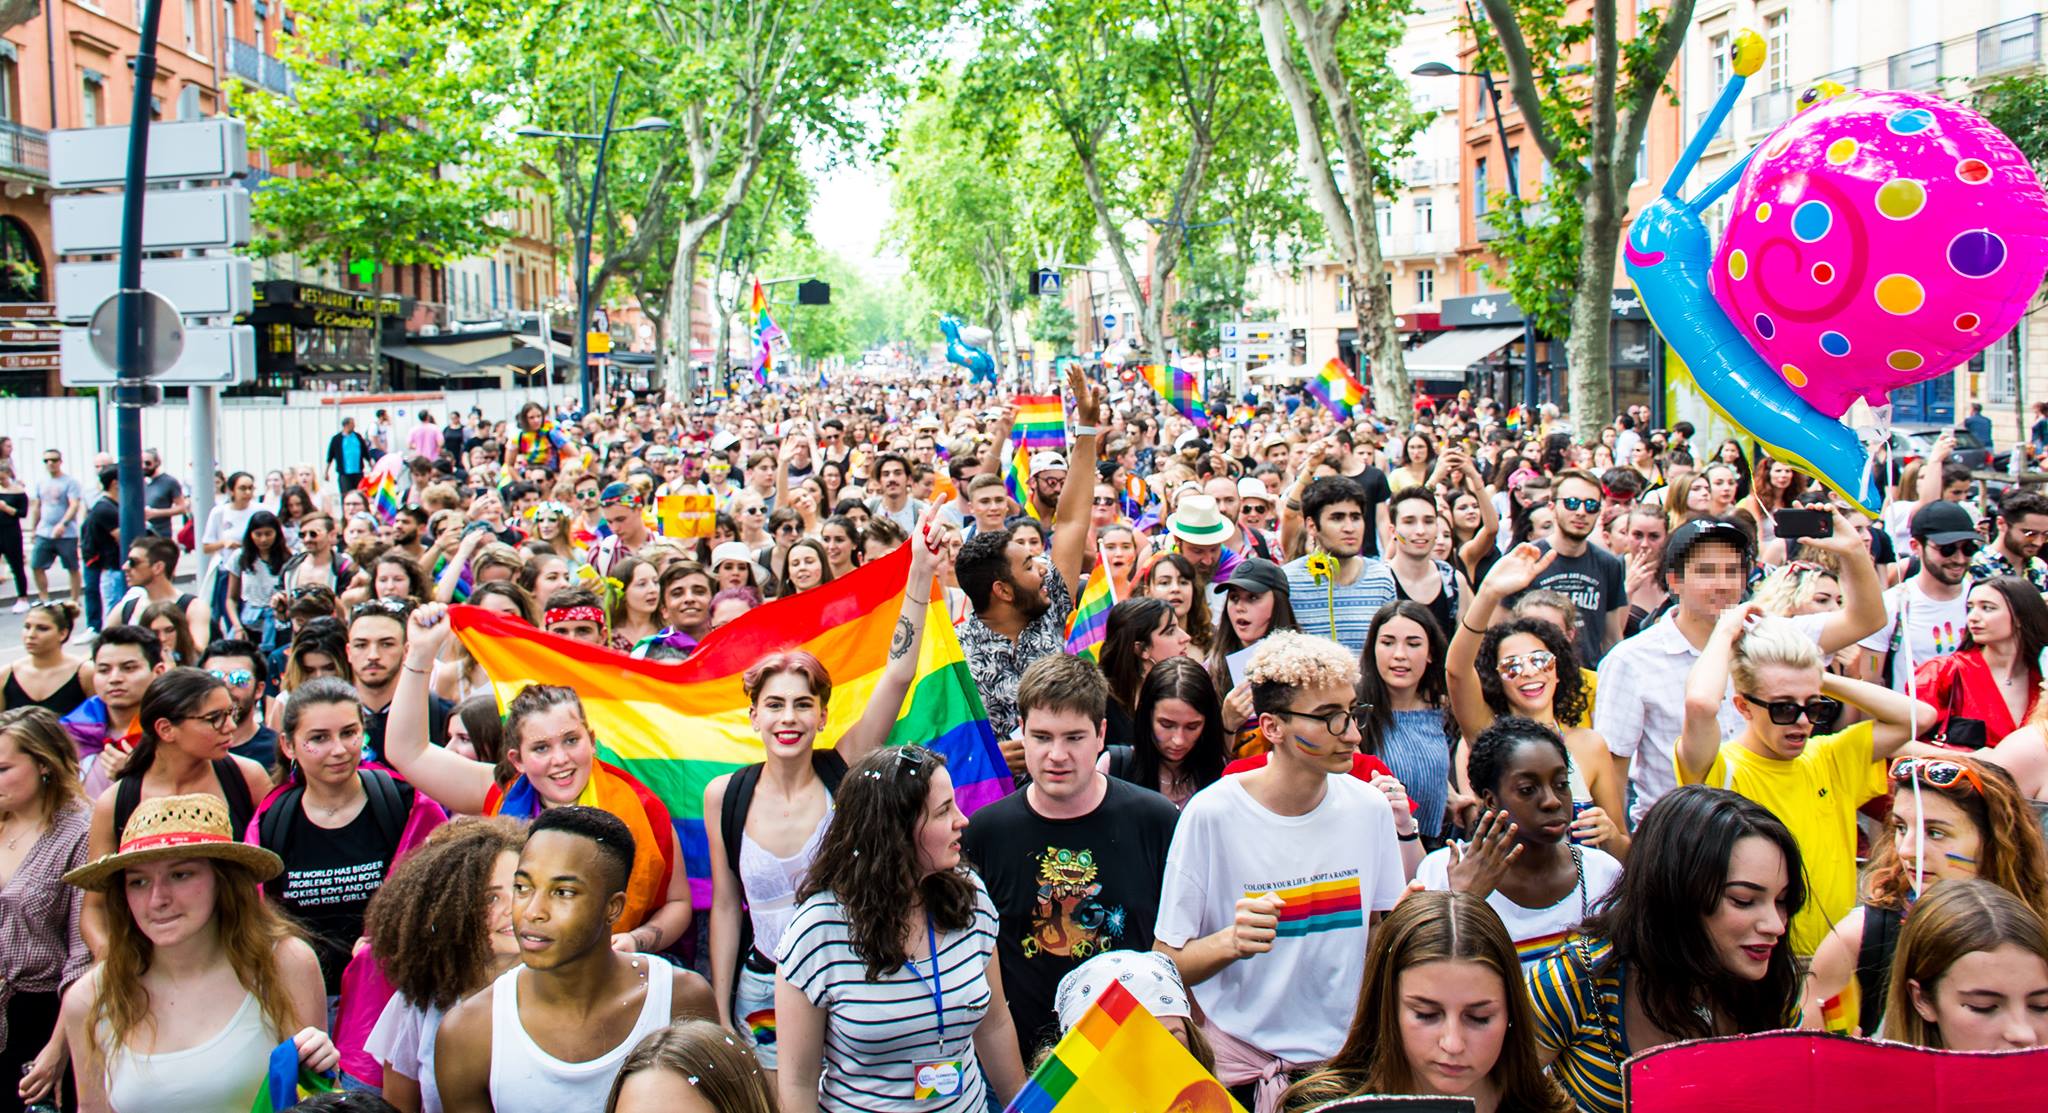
pixel 1895 715
pixel 1070 519
pixel 871 731
pixel 1512 573
pixel 1929 487
pixel 1862 612
pixel 451 576
pixel 1705 689
pixel 1483 542
pixel 455 782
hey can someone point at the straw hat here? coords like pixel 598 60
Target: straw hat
pixel 175 827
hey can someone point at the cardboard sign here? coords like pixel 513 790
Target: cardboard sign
pixel 686 516
pixel 1814 1072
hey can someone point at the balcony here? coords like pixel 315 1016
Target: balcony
pixel 24 151
pixel 1919 68
pixel 1769 108
pixel 1725 135
pixel 2012 45
pixel 1423 243
pixel 249 62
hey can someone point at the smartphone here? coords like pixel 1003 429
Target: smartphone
pixel 1797 523
pixel 1578 808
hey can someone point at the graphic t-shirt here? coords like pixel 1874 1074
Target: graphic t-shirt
pixel 1067 890
pixel 329 878
pixel 1934 627
pixel 1333 866
pixel 1596 582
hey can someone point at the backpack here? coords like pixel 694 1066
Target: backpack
pixel 390 806
pixel 732 827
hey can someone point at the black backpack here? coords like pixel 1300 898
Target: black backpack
pixel 390 805
pixel 732 827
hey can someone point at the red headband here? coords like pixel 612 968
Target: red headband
pixel 584 613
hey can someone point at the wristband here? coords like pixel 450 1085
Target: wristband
pixel 1410 836
pixel 1470 627
pixel 1084 430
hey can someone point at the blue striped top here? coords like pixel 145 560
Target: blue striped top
pixel 1418 750
pixel 1579 1020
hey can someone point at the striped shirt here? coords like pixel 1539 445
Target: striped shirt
pixel 1342 612
pixel 1578 1019
pixel 877 1032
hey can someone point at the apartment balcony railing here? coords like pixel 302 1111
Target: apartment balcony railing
pixel 250 62
pixel 1918 68
pixel 1769 108
pixel 1727 132
pixel 24 150
pixel 2014 44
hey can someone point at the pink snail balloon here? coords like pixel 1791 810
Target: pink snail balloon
pixel 1879 239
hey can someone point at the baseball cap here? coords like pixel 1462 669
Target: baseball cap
pixel 1048 461
pixel 1257 574
pixel 1249 488
pixel 1941 523
pixel 1700 530
pixel 725 442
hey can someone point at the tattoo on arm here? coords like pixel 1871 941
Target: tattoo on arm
pixel 899 643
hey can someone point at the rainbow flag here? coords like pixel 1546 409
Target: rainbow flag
pixel 674 727
pixel 1245 416
pixel 1017 478
pixel 380 487
pixel 1136 497
pixel 1090 618
pixel 1118 1057
pixel 1181 390
pixel 1041 423
pixel 284 1084
pixel 1336 389
pixel 766 335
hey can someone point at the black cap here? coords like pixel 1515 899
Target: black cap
pixel 1257 574
pixel 1698 530
pixel 1942 523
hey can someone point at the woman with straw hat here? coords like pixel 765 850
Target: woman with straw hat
pixel 200 980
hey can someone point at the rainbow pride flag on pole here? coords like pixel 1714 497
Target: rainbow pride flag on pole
pixel 1118 1057
pixel 1041 423
pixel 380 486
pixel 1090 618
pixel 1017 478
pixel 674 727
pixel 1181 390
pixel 1337 389
pixel 766 335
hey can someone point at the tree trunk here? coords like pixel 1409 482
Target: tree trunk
pixel 683 310
pixel 1592 385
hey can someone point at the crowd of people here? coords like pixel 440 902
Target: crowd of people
pixel 1467 755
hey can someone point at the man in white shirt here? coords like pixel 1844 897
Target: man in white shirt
pixel 1641 709
pixel 1935 601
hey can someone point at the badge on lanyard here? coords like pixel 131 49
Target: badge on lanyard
pixel 934 1078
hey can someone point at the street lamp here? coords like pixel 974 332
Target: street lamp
pixel 603 139
pixel 1440 69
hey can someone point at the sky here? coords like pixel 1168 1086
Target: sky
pixel 848 212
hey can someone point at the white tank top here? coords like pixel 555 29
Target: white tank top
pixel 770 884
pixel 223 1073
pixel 525 1079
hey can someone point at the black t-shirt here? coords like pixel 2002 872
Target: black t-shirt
pixel 329 877
pixel 261 747
pixel 438 711
pixel 102 536
pixel 1374 482
pixel 1066 890
pixel 1596 581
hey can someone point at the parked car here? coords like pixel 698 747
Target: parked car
pixel 1914 441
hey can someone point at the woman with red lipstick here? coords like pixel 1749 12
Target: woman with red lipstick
pixel 1691 943
pixel 1442 1011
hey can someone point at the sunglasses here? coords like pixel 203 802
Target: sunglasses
pixel 1820 710
pixel 395 608
pixel 1579 503
pixel 234 678
pixel 1967 548
pixel 1104 502
pixel 1526 664
pixel 1935 772
pixel 590 494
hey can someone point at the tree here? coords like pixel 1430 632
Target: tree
pixel 1588 122
pixel 2018 106
pixel 389 128
pixel 1366 115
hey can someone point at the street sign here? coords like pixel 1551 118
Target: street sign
pixel 597 343
pixel 28 336
pixel 172 220
pixel 28 361
pixel 1109 320
pixel 1048 283
pixel 85 158
pixel 222 355
pixel 27 311
pixel 160 334
pixel 220 286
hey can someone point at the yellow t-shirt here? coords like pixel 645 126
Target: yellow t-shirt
pixel 1815 796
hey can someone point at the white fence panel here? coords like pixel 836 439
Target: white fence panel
pixel 70 425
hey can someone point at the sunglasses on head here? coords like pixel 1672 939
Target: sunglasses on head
pixel 1526 664
pixel 1820 711
pixel 1935 772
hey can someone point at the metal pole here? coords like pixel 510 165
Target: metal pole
pixel 131 362
pixel 604 140
pixel 202 405
pixel 547 352
pixel 1529 392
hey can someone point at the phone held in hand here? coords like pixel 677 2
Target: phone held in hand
pixel 1798 523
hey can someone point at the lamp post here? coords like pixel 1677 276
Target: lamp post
pixel 1440 69
pixel 603 139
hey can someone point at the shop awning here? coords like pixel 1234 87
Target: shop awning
pixel 434 363
pixel 521 358
pixel 1446 356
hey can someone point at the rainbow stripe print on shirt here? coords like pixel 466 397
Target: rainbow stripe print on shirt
pixel 1536 948
pixel 1319 906
pixel 761 1024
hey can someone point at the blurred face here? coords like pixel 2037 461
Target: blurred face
pixel 1176 729
pixel 1060 748
pixel 806 569
pixel 264 537
pixel 1990 618
pixel 243 490
pixel 1340 529
pixel 171 901
pixel 1750 921
pixel 688 602
pixel 1250 613
pixel 1994 1000
pixel 659 1089
pixel 1935 837
pixel 327 744
pixel 1047 485
pixel 1170 585
pixel 1454 1019
pixel 787 714
pixel 1529 680
pixel 1722 485
pixel 554 752
pixel 938 830
pixel 1711 579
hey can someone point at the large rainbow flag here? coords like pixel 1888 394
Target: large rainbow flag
pixel 1181 390
pixel 1337 389
pixel 766 335
pixel 674 727
pixel 1118 1057
pixel 1041 423
pixel 1089 621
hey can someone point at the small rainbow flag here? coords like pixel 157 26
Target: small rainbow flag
pixel 1090 618
pixel 284 1084
pixel 1119 1057
pixel 1336 389
pixel 673 727
pixel 1181 390
pixel 1041 423
pixel 1017 478
pixel 380 487
pixel 1245 416
pixel 1136 497
pixel 766 335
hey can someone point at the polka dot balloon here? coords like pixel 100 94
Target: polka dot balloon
pixel 1878 239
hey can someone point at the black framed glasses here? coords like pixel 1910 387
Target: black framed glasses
pixel 1821 711
pixel 1336 722
pixel 221 721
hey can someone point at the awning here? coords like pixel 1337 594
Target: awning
pixel 521 358
pixel 1446 356
pixel 433 363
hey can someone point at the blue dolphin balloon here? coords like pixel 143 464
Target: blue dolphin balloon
pixel 1669 256
pixel 981 366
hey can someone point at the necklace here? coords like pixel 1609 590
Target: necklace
pixel 8 821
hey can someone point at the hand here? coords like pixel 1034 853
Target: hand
pixel 1479 865
pixel 1316 454
pixel 1463 808
pixel 1256 924
pixel 1013 754
pixel 114 758
pixel 1237 707
pixel 1594 827
pixel 427 629
pixel 924 550
pixel 1642 572
pixel 1944 445
pixel 40 1079
pixel 1517 570
pixel 1087 396
pixel 1404 819
pixel 1844 542
pixel 1735 618
pixel 317 1053
pixel 625 943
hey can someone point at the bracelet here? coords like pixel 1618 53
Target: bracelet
pixel 1084 430
pixel 1411 836
pixel 1468 626
pixel 1294 505
pixel 914 599
pixel 409 668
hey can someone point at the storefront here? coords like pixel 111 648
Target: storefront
pixel 315 338
pixel 1491 358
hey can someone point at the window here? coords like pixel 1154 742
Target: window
pixel 1479 188
pixel 1643 159
pixel 91 88
pixel 1383 211
pixel 10 90
pixel 1514 181
pixel 191 14
pixel 1425 285
pixel 1425 216
pixel 2000 366
pixel 1343 293
pixel 1777 27
pixel 1717 64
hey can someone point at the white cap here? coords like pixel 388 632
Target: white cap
pixel 1048 461
pixel 735 551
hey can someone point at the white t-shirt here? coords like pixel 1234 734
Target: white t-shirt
pixel 227 524
pixel 1934 627
pixel 1334 866
pixel 1537 932
pixel 403 1040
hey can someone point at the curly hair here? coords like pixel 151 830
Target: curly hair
pixel 1567 701
pixel 868 860
pixel 428 924
pixel 1287 661
pixel 1494 747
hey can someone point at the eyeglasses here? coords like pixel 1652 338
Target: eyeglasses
pixel 1820 710
pixel 234 678
pixel 1104 502
pixel 1935 772
pixel 590 494
pixel 1336 722
pixel 1579 503
pixel 221 721
pixel 1526 664
pixel 1967 548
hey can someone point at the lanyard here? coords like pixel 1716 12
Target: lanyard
pixel 938 996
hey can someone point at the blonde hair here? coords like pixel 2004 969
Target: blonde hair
pixel 1787 590
pixel 1298 660
pixel 41 738
pixel 1773 641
